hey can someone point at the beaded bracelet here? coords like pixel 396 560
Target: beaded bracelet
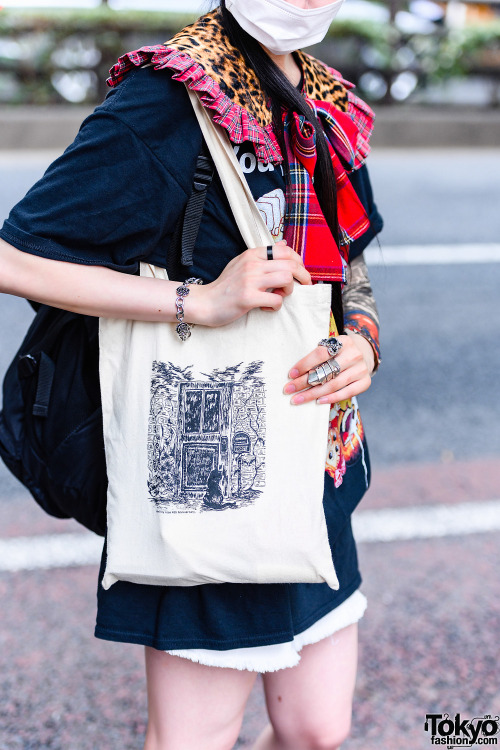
pixel 184 329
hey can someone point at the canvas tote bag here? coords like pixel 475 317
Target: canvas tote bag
pixel 213 475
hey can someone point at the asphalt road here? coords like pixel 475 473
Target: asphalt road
pixel 426 196
pixel 437 394
pixel 429 640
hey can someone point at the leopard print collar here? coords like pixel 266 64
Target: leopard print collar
pixel 207 42
pixel 201 56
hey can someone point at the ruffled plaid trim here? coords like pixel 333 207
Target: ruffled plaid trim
pixel 363 117
pixel 239 123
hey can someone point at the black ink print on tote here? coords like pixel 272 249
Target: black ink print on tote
pixel 206 440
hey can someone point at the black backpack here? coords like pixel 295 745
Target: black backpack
pixel 51 434
pixel 51 424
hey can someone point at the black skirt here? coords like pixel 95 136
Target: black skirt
pixel 238 615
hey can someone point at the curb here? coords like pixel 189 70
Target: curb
pixel 433 127
pixel 55 127
pixel 40 128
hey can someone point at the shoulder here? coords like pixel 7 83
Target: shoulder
pixel 147 118
pixel 149 102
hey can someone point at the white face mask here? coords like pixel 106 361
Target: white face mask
pixel 280 26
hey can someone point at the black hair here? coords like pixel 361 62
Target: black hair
pixel 283 94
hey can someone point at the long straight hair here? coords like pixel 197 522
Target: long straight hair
pixel 283 94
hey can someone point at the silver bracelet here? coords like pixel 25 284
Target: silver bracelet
pixel 184 329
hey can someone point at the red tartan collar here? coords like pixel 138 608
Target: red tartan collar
pixel 306 229
pixel 202 57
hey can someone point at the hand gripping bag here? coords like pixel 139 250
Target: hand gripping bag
pixel 213 475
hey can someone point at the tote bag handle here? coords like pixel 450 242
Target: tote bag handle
pixel 245 211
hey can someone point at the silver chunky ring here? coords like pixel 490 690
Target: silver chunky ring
pixel 332 344
pixel 323 373
pixel 270 252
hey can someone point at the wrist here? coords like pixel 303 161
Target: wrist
pixel 197 306
pixel 366 348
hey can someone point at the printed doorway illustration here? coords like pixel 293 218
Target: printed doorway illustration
pixel 206 442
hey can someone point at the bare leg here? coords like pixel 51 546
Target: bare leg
pixel 193 706
pixel 310 705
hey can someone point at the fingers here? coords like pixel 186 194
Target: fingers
pixel 285 254
pixel 349 383
pixel 278 280
pixel 353 389
pixel 281 251
pixel 269 301
pixel 251 281
pixel 320 355
pixel 353 378
pixel 291 266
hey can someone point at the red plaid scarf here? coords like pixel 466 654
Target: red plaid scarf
pixel 307 231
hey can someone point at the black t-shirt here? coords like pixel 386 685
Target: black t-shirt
pixel 115 195
pixel 113 199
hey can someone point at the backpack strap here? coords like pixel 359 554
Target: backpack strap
pixel 46 372
pixel 188 226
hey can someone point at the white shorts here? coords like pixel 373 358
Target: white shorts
pixel 280 655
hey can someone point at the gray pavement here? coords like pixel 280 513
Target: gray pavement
pixel 439 374
pixel 403 125
pixel 429 640
pixel 426 196
pixel 428 643
pixel 435 378
pixel 437 196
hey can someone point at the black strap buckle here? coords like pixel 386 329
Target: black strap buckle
pixel 180 255
pixel 203 174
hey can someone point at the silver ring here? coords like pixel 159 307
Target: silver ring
pixel 270 252
pixel 332 344
pixel 323 373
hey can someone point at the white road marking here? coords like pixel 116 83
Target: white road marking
pixel 50 551
pixel 386 525
pixel 426 521
pixel 421 255
pixel 36 158
pixel 387 255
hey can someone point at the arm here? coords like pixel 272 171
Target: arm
pixel 112 200
pixel 102 292
pixel 361 317
pixel 89 290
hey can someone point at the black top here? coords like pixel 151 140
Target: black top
pixel 113 199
